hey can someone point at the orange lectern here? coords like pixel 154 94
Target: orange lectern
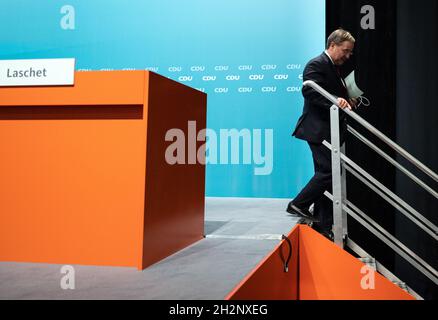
pixel 83 173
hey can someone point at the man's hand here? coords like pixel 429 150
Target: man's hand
pixel 343 104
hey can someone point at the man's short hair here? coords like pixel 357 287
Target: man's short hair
pixel 339 36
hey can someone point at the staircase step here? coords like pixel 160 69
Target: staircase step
pixel 370 262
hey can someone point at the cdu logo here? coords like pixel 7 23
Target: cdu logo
pixel 293 66
pixel 255 77
pixel 175 69
pixel 269 89
pixel 197 68
pixel 281 76
pixel 232 78
pixel 293 89
pixel 245 67
pixel 245 90
pixel 221 90
pixel 221 68
pixel 209 78
pixel 185 78
pixel 269 67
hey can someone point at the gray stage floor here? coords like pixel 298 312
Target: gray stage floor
pixel 239 234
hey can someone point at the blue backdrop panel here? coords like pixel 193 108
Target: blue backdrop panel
pixel 248 55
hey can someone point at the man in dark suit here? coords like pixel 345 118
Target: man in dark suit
pixel 314 127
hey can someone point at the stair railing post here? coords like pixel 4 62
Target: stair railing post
pixel 344 194
pixel 338 228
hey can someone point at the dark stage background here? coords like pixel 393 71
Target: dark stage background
pixel 396 65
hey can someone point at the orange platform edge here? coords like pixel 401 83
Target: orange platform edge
pixel 318 270
pixel 83 176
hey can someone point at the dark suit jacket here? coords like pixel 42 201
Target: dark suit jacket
pixel 314 124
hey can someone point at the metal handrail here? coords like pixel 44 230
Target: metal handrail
pixel 392 161
pixel 385 193
pixel 373 130
pixel 389 240
pixel 381 268
pixel 342 207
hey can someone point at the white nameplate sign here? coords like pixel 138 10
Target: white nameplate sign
pixel 37 72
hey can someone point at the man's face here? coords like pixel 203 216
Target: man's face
pixel 341 53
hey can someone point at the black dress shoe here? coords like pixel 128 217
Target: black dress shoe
pixel 301 213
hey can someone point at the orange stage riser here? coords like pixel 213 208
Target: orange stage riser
pixel 318 270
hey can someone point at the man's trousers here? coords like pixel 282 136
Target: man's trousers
pixel 313 192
